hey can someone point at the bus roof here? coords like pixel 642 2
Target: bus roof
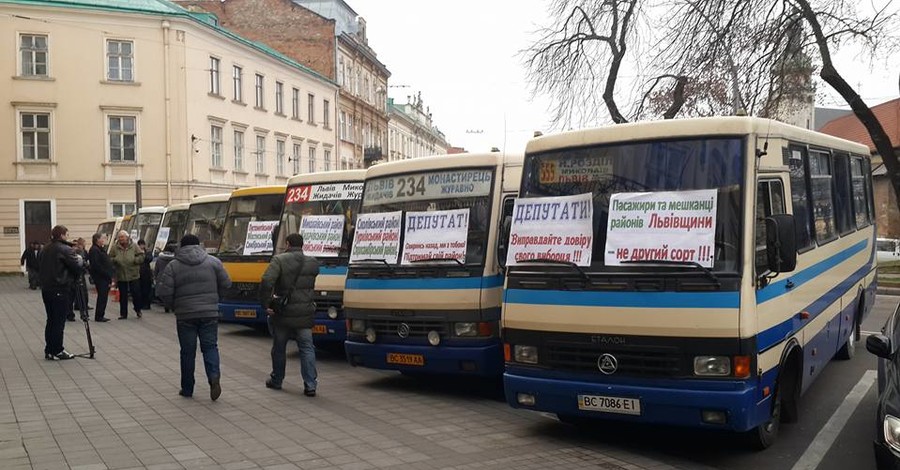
pixel 153 210
pixel 682 128
pixel 178 207
pixel 111 219
pixel 259 190
pixel 328 177
pixel 439 162
pixel 221 197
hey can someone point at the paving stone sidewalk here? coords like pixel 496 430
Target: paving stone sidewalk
pixel 122 410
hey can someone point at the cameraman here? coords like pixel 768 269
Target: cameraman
pixel 58 270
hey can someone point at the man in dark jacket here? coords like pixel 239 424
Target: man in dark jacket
pixel 292 275
pixel 191 285
pixel 30 261
pixel 102 272
pixel 146 277
pixel 59 267
pixel 167 255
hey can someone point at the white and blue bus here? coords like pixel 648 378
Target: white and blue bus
pixel 697 272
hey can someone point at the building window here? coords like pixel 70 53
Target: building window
pixel 295 103
pixel 259 91
pixel 295 160
pixel 279 98
pixel 326 114
pixel 214 75
pixel 238 150
pixel 260 154
pixel 327 160
pixel 122 135
pixel 279 157
pixel 312 159
pixel 33 48
pixel 342 125
pixel 119 209
pixel 215 146
pixel 311 112
pixel 120 61
pixel 35 136
pixel 340 71
pixel 237 75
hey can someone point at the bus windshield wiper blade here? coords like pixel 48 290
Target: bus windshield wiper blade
pixel 695 264
pixel 560 262
pixel 376 260
pixel 438 259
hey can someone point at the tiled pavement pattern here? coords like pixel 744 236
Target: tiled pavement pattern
pixel 122 410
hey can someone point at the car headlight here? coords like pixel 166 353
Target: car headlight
pixel 892 432
pixel 714 366
pixel 465 329
pixel 357 326
pixel 332 312
pixel 525 354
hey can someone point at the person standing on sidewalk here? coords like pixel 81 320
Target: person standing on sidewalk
pixel 30 259
pixel 127 258
pixel 146 277
pixel 59 268
pixel 167 255
pixel 80 250
pixel 291 275
pixel 102 272
pixel 191 286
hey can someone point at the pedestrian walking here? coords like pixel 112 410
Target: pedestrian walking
pixel 167 255
pixel 286 291
pixel 102 272
pixel 146 277
pixel 191 285
pixel 127 257
pixel 30 259
pixel 59 266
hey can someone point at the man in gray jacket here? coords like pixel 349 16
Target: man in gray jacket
pixel 191 286
pixel 292 275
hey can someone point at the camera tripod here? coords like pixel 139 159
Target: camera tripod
pixel 81 301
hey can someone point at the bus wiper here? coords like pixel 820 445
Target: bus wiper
pixel 695 264
pixel 377 260
pixel 438 259
pixel 560 262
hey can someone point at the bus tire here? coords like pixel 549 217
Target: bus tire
pixel 763 436
pixel 848 350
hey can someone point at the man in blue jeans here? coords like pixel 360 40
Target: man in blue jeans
pixel 288 285
pixel 201 280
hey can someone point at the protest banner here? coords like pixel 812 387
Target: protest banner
pixel 663 225
pixel 377 237
pixel 324 192
pixel 428 186
pixel 259 237
pixel 435 235
pixel 552 228
pixel 322 235
pixel 161 238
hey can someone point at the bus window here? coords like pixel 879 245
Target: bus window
pixel 823 204
pixel 769 200
pixel 842 194
pixel 800 198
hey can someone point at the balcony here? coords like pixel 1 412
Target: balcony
pixel 371 154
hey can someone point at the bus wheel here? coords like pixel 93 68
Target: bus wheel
pixel 764 435
pixel 848 350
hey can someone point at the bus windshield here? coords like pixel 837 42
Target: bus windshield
pixel 445 216
pixel 107 228
pixel 325 215
pixel 661 170
pixel 148 226
pixel 175 221
pixel 247 215
pixel 206 220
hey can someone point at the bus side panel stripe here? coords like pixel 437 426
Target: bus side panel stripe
pixel 779 288
pixel 333 270
pixel 426 284
pixel 624 299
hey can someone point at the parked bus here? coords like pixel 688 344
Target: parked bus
pixel 246 249
pixel 206 218
pixel 695 272
pixel 147 223
pixel 110 227
pixel 323 207
pixel 171 229
pixel 423 288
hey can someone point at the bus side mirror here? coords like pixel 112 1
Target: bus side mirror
pixel 781 243
pixel 879 345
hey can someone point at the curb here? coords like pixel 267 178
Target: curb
pixel 887 290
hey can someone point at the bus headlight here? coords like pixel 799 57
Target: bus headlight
pixel 332 312
pixel 892 432
pixel 465 329
pixel 357 325
pixel 370 335
pixel 712 366
pixel 434 338
pixel 525 354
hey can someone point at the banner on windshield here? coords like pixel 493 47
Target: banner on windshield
pixel 428 186
pixel 322 235
pixel 552 228
pixel 664 225
pixel 435 235
pixel 377 236
pixel 259 237
pixel 324 192
pixel 161 238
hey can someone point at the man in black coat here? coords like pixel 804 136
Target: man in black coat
pixel 59 266
pixel 31 262
pixel 102 272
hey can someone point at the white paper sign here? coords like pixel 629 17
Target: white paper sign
pixel 259 236
pixel 424 186
pixel 552 228
pixel 161 238
pixel 377 237
pixel 435 235
pixel 324 192
pixel 665 225
pixel 322 235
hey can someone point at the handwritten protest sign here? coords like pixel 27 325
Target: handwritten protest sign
pixel 552 228
pixel 161 238
pixel 664 225
pixel 259 237
pixel 377 237
pixel 322 235
pixel 435 235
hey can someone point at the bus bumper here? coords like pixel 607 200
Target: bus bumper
pixel 244 314
pixel 327 330
pixel 484 361
pixel 671 405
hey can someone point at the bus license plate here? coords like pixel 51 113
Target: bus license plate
pixel 406 359
pixel 319 329
pixel 618 405
pixel 245 314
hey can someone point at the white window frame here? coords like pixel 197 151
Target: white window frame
pixel 326 114
pixel 109 154
pixel 259 86
pixel 238 148
pixel 280 145
pixel 279 98
pixel 237 83
pixel 124 206
pixel 215 68
pixel 260 154
pixel 311 108
pixel 21 63
pixel 295 160
pixel 312 159
pixel 20 134
pixel 119 56
pixel 295 103
pixel 215 145
pixel 327 157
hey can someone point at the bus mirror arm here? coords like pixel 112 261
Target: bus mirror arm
pixel 781 244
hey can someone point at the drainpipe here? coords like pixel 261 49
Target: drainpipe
pixel 168 105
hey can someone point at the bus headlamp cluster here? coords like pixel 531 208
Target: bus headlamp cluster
pixel 370 335
pixel 892 432
pixel 332 312
pixel 525 354
pixel 357 326
pixel 712 366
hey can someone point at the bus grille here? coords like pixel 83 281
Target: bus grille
pixel 639 361
pixel 242 292
pixel 417 328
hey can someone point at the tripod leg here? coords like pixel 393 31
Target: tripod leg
pixel 81 299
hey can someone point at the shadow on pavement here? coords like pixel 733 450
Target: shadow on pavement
pixel 437 385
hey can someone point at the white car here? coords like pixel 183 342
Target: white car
pixel 887 249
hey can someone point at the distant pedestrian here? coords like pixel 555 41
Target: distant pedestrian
pixel 191 285
pixel 127 258
pixel 146 277
pixel 291 276
pixel 167 255
pixel 59 268
pixel 102 272
pixel 30 259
